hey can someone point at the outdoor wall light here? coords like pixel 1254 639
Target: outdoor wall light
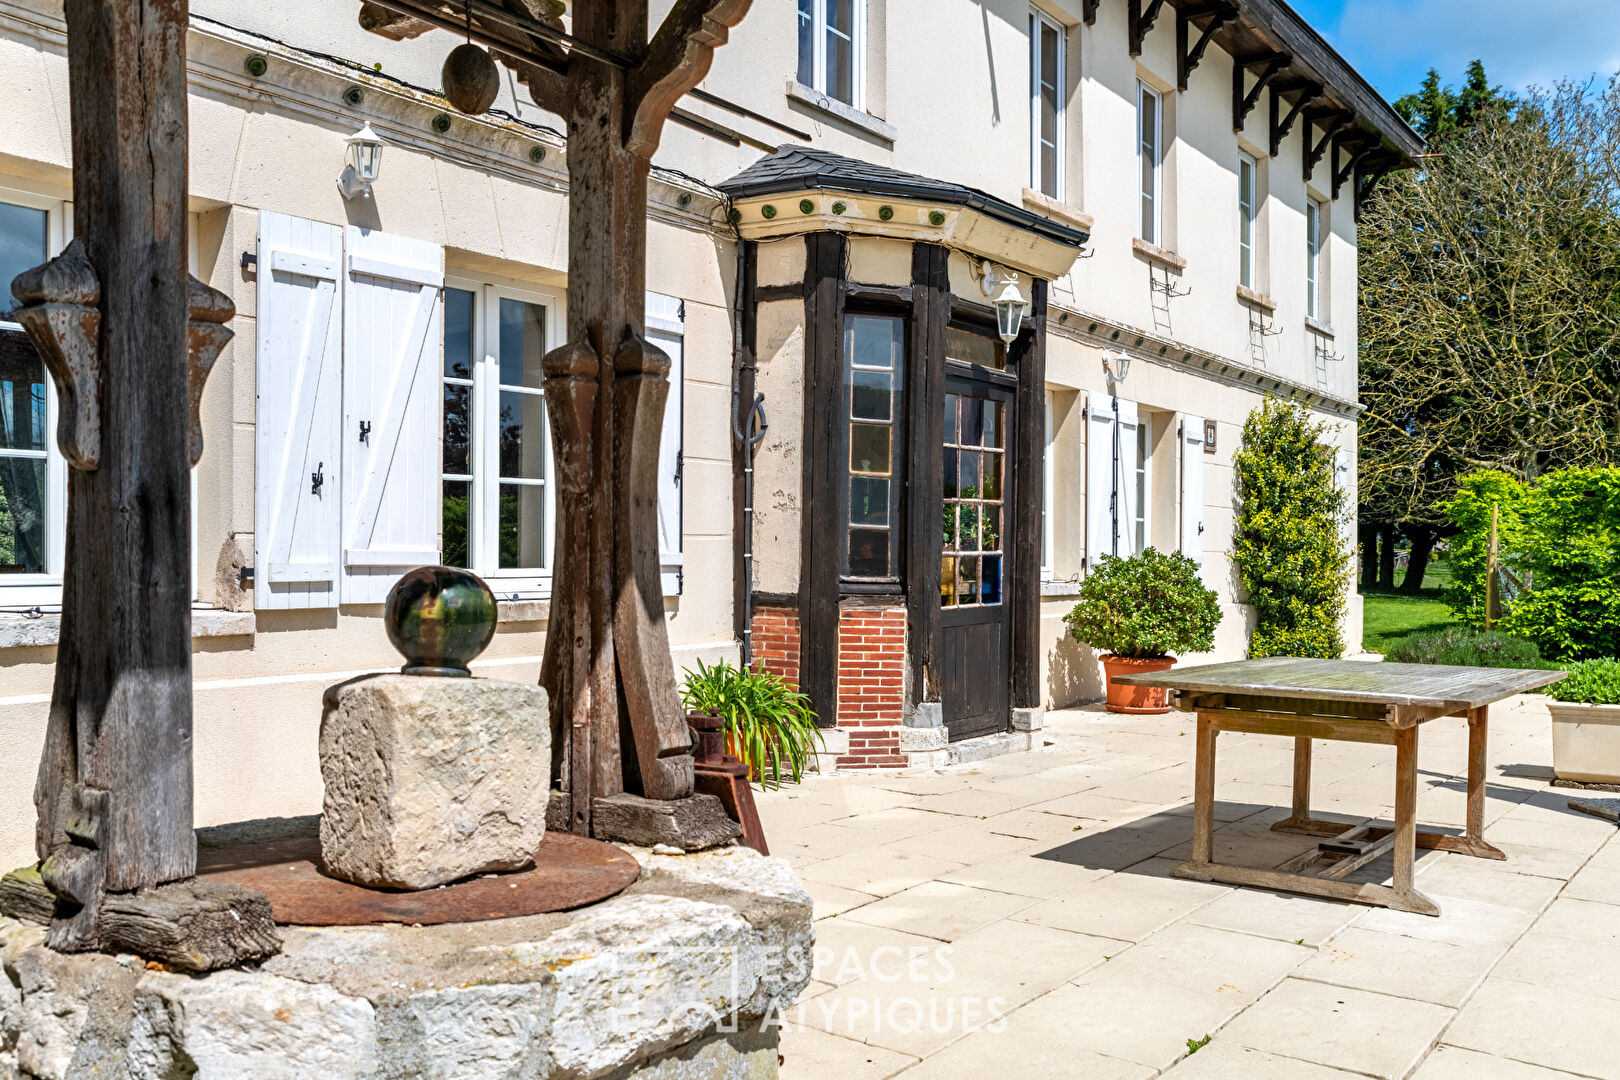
pixel 1001 286
pixel 364 162
pixel 1120 368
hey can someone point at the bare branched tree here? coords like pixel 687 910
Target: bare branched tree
pixel 1490 307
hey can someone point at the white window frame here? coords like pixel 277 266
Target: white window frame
pixel 1048 494
pixel 1039 24
pixel 1142 476
pixel 484 508
pixel 1315 209
pixel 857 49
pixel 1248 218
pixel 29 590
pixel 1150 196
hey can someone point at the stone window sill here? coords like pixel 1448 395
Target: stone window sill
pixel 812 98
pixel 1047 206
pixel 1258 299
pixel 522 611
pixel 19 631
pixel 1317 326
pixel 1051 589
pixel 1158 254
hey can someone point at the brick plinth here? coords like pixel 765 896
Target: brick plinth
pixel 776 641
pixel 871 685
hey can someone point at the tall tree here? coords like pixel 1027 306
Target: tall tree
pixel 1490 300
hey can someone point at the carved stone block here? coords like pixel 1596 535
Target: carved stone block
pixel 430 779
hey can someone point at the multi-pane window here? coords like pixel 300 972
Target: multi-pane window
pixel 830 42
pixel 971 544
pixel 1046 104
pixel 496 471
pixel 1313 258
pixel 1149 153
pixel 24 405
pixel 1246 208
pixel 874 349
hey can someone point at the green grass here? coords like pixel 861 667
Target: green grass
pixel 1390 616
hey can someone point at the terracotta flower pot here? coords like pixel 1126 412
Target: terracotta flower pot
pixel 1136 699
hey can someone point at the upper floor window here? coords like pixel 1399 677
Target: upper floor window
pixel 830 47
pixel 1046 80
pixel 1247 201
pixel 1150 155
pixel 1313 258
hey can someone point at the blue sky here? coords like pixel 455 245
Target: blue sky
pixel 1393 42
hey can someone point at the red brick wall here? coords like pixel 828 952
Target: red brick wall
pixel 776 641
pixel 871 672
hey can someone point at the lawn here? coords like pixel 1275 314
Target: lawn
pixel 1390 616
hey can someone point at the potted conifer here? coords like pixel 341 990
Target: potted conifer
pixel 1139 611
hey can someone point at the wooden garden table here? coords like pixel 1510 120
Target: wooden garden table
pixel 1350 701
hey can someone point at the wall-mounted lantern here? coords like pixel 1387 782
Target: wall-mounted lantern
pixel 364 162
pixel 1001 286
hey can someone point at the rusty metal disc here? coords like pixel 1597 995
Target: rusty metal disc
pixel 569 871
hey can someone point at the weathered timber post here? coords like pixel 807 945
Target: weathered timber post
pixel 607 667
pixel 129 338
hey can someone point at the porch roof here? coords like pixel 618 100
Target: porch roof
pixel 930 209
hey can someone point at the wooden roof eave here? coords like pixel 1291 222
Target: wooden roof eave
pixel 1266 28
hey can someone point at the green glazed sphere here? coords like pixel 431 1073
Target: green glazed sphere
pixel 439 618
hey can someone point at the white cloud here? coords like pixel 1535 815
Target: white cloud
pixel 1521 44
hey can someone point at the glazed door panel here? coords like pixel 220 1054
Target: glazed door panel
pixel 975 627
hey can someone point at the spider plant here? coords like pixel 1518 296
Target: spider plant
pixel 767 722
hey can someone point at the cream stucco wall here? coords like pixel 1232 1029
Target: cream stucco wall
pixel 948 81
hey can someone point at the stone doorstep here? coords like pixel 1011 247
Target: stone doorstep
pixel 929 747
pixel 720 934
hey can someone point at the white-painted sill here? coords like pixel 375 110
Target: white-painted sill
pixel 1317 326
pixel 812 98
pixel 20 631
pixel 1154 253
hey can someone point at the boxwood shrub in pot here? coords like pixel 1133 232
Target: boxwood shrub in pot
pixel 1586 722
pixel 1139 611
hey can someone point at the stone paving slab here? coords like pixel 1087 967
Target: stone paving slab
pixel 1103 965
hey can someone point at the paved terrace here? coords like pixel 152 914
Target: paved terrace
pixel 1047 875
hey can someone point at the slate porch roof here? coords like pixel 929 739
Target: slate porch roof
pixel 800 168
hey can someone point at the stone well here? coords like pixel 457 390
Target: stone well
pixel 676 978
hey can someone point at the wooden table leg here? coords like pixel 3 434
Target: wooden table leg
pixel 1302 780
pixel 1204 791
pixel 1473 838
pixel 1405 852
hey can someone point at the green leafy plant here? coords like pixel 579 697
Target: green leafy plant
pixel 768 724
pixel 1466 648
pixel 1289 545
pixel 1145 607
pixel 1560 537
pixel 1595 682
pixel 1195 1045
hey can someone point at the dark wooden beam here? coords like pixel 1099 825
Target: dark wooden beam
pixel 822 459
pixel 1330 123
pixel 1219 13
pixel 1244 101
pixel 1088 11
pixel 1028 355
pixel 1368 176
pixel 677 59
pixel 1141 20
pixel 925 395
pixel 1358 145
pixel 1280 128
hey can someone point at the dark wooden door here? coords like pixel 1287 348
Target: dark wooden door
pixel 975 628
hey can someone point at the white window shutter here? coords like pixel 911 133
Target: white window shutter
pixel 298 486
pixel 1099 479
pixel 391 351
pixel 1125 478
pixel 666 329
pixel 1192 487
pixel 1346 482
